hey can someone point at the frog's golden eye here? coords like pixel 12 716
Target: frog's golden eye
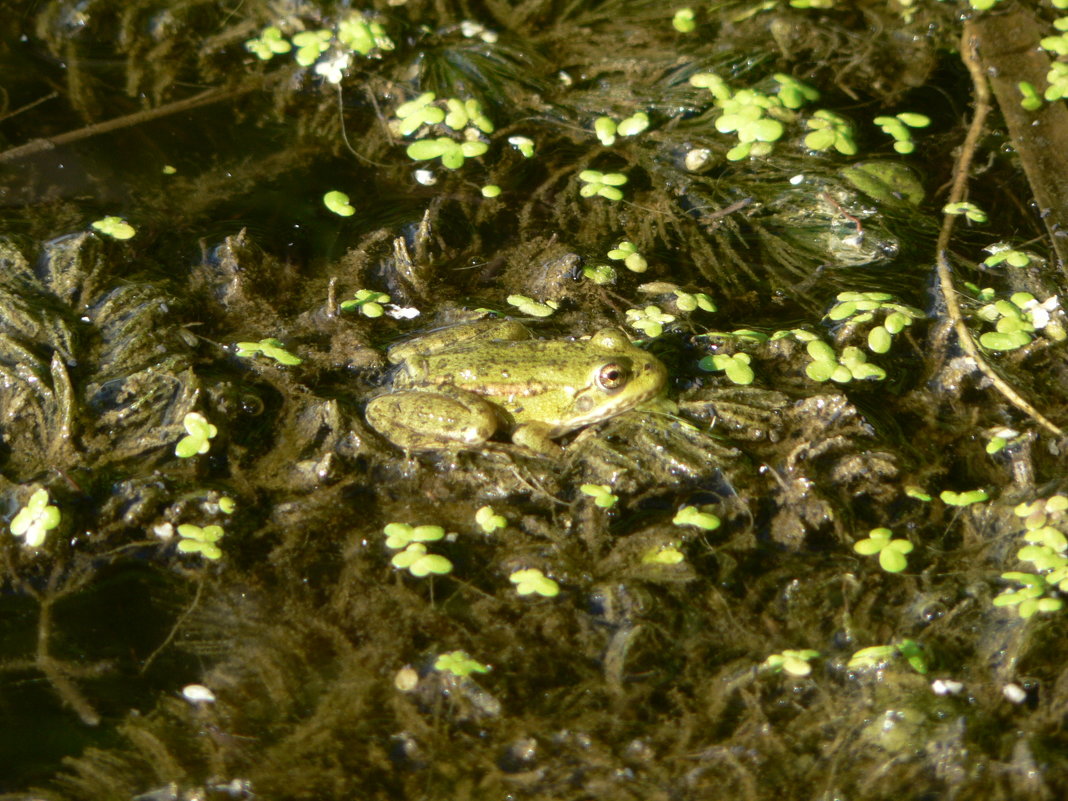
pixel 612 376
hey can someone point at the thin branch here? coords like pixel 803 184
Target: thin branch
pixel 961 171
pixel 126 121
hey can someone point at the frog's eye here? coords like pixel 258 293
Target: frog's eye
pixel 612 376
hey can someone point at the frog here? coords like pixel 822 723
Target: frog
pixel 457 387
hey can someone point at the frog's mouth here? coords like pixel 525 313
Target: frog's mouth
pixel 599 402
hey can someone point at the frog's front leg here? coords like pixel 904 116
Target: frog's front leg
pixel 536 436
pixel 426 420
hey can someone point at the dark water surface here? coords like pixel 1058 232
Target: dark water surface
pixel 656 670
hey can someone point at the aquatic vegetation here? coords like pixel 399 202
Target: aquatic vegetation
pixel 1002 253
pixel 684 20
pixel 602 184
pixel 601 494
pixel 692 301
pixel 451 152
pixel 269 347
pixel 663 555
pixel 413 556
pixel 858 308
pixel 971 211
pixel 532 581
pixel 105 348
pixel 202 540
pixel 892 553
pixel 415 559
pixel 488 520
pixel 876 656
pixel 1047 553
pixel 898 128
pixel 1031 99
pixel 830 130
pixel 459 664
pixel 1032 597
pixel 268 44
pixel 951 498
pixel 338 202
pixel 917 493
pixel 199 433
pixel 600 274
pixel 115 227
pixel 627 252
pixel 650 320
pixel 401 535
pixel 523 144
pixel 699 517
pixel 1017 318
pixel 605 128
pixel 369 303
pixel 35 519
pixel 842 368
pixel 1057 78
pixel 310 45
pixel 1002 438
pixel 535 308
pixel 736 366
pixel 794 662
pixel 1057 44
pixel 330 50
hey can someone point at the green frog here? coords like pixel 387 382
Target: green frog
pixel 458 386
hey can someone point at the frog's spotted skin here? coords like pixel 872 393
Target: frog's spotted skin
pixel 460 394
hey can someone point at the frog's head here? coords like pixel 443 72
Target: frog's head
pixel 621 377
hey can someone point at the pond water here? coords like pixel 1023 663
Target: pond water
pixel 824 562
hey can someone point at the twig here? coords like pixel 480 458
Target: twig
pixel 126 121
pixel 956 193
pixel 174 629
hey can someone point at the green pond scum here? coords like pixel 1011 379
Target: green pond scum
pixel 826 558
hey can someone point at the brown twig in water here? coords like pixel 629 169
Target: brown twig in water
pixel 126 121
pixel 956 193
